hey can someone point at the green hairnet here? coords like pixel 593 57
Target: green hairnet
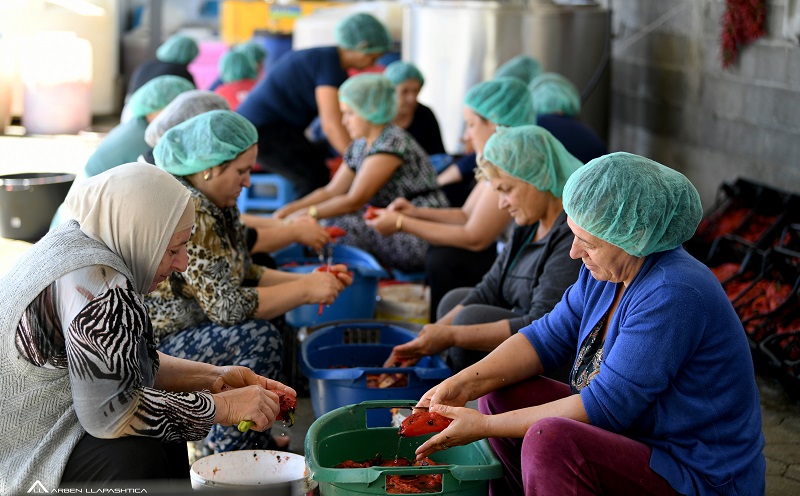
pixel 204 141
pixel 178 49
pixel 234 66
pixel 522 67
pixel 504 101
pixel 400 71
pixel 532 154
pixel 554 94
pixel 252 49
pixel 363 33
pixel 371 96
pixel 156 94
pixel 187 104
pixel 634 203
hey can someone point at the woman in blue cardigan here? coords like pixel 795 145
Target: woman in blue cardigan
pixel 662 397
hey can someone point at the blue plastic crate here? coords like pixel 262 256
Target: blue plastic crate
pixel 357 301
pixel 362 348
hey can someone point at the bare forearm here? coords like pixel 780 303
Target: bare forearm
pixel 279 299
pixel 515 424
pixel 443 215
pixel 338 205
pixel 442 234
pixel 337 137
pixel 274 238
pixel 514 360
pixel 482 337
pixel 180 375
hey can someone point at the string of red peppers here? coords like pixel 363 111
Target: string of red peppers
pixel 742 23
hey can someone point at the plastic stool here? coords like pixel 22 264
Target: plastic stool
pixel 267 192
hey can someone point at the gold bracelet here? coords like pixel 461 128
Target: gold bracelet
pixel 312 212
pixel 399 223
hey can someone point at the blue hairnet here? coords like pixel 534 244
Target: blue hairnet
pixel 156 94
pixel 371 96
pixel 252 49
pixel 178 49
pixel 503 101
pixel 522 67
pixel 400 71
pixel 363 33
pixel 186 105
pixel 634 203
pixel 532 154
pixel 554 94
pixel 234 66
pixel 204 141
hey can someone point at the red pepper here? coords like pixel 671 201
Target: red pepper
pixel 287 405
pixel 370 213
pixel 420 423
pixel 335 232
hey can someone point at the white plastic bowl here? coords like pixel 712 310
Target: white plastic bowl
pixel 278 472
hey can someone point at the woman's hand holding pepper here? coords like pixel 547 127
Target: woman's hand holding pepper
pixel 385 222
pixel 468 425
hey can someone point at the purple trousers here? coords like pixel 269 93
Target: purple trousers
pixel 562 457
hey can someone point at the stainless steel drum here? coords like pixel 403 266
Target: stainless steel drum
pixel 457 44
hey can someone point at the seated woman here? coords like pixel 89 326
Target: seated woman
pixel 125 143
pixel 263 234
pixel 87 398
pixel 382 163
pixel 463 239
pixel 527 167
pixel 252 49
pixel 238 73
pixel 557 103
pixel 413 116
pixel 662 398
pixel 172 59
pixel 218 310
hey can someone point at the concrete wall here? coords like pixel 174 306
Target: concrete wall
pixel 672 101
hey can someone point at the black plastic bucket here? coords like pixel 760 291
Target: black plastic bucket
pixel 28 202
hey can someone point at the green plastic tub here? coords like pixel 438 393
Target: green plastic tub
pixel 342 434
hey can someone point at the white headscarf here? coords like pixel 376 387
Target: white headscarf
pixel 134 209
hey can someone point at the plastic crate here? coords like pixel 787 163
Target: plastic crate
pixel 362 348
pixel 343 434
pixel 357 301
pixel 267 193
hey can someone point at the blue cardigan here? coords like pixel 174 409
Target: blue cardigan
pixel 677 374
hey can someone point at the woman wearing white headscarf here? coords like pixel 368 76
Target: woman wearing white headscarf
pixel 86 395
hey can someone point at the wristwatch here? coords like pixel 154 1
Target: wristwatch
pixel 312 212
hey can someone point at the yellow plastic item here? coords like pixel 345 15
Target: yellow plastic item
pixel 239 19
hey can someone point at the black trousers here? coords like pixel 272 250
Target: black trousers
pixel 449 268
pixel 124 461
pixel 285 150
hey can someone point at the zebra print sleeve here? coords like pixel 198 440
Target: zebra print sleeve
pixel 112 362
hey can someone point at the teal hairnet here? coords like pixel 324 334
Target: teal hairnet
pixel 522 67
pixel 532 154
pixel 234 66
pixel 363 33
pixel 178 49
pixel 371 96
pixel 400 71
pixel 634 203
pixel 156 94
pixel 186 105
pixel 252 49
pixel 503 101
pixel 554 94
pixel 204 141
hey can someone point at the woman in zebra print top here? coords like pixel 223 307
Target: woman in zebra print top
pixel 109 406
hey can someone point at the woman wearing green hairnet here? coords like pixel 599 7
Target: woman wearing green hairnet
pixel 382 163
pixel 125 143
pixel 662 397
pixel 172 59
pixel 302 85
pixel 253 50
pixel 219 309
pixel 527 167
pixel 238 73
pixel 556 102
pixel 411 115
pixel 463 239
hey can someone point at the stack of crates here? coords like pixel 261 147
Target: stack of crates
pixel 751 241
